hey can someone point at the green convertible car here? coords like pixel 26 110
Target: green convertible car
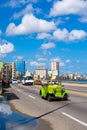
pixel 53 91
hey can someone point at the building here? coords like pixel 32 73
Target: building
pixel 17 75
pixel 71 76
pixel 13 70
pixel 20 67
pixel 9 70
pixel 55 69
pixel 28 73
pixel 41 73
pixel 1 69
pixel 49 74
pixel 54 66
pixel 1 64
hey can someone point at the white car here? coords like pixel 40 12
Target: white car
pixel 14 81
pixel 28 80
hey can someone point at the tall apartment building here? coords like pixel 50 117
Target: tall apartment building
pixel 9 70
pixel 42 73
pixel 55 69
pixel 1 69
pixel 20 67
pixel 13 70
pixel 54 65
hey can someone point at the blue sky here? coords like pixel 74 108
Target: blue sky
pixel 41 31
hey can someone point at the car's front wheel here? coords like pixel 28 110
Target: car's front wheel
pixel 66 97
pixel 49 98
pixel 41 94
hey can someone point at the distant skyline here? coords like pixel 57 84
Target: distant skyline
pixel 41 31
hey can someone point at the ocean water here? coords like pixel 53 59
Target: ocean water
pixel 76 81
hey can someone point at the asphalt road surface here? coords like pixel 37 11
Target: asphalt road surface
pixel 57 115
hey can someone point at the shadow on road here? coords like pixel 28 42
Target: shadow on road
pixel 54 110
pixel 9 95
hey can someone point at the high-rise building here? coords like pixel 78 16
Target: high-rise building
pixel 54 65
pixel 1 69
pixel 20 67
pixel 41 72
pixel 55 69
pixel 9 70
pixel 13 70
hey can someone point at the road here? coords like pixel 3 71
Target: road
pixel 58 115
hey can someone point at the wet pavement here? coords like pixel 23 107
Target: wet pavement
pixel 10 120
pixel 13 120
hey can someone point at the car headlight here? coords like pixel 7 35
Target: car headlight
pixel 63 89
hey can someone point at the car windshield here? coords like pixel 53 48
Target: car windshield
pixel 29 78
pixel 14 79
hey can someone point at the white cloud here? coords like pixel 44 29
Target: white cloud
pixel 57 59
pixel 78 61
pixel 77 35
pixel 30 24
pixel 68 61
pixel 18 3
pixel 5 109
pixel 2 56
pixel 43 36
pixel 18 58
pixel 0 32
pixel 49 45
pixel 34 63
pixel 66 7
pixel 27 10
pixel 61 35
pixel 42 59
pixel 65 35
pixel 83 19
pixel 59 21
pixel 61 64
pixel 6 47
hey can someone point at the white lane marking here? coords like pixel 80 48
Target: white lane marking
pixel 75 119
pixel 31 96
pixel 36 89
pixel 18 90
pixel 24 93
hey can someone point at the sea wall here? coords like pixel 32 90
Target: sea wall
pixel 79 84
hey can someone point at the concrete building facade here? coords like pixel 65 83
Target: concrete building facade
pixel 41 73
pixel 55 69
pixel 54 65
pixel 9 70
